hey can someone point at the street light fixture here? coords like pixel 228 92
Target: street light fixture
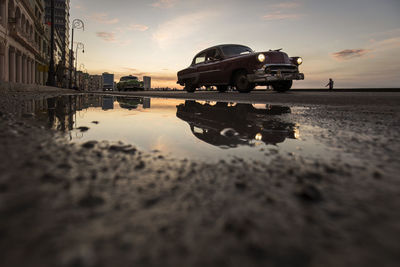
pixel 76 24
pixel 79 45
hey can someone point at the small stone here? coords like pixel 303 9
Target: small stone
pixel 310 193
pixel 50 178
pixel 91 201
pixel 89 144
pixel 140 166
pixel 83 129
pixel 95 122
pixel 240 185
pixel 151 202
pixel 377 175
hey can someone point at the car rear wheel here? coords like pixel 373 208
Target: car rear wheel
pixel 282 86
pixel 189 86
pixel 222 88
pixel 242 84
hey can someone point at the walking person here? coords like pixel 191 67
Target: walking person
pixel 330 83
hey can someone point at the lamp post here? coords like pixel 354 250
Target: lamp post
pixel 51 79
pixel 79 45
pixel 76 24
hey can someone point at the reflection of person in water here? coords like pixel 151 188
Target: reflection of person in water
pixel 330 84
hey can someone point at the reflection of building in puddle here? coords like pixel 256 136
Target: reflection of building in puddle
pixel 133 102
pixel 59 112
pixel 227 125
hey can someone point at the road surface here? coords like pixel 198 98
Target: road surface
pixel 109 204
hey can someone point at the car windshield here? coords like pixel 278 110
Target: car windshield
pixel 127 78
pixel 234 50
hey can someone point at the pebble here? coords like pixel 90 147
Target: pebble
pixel 83 128
pixel 310 193
pixel 91 201
pixel 89 144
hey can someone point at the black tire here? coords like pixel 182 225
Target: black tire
pixel 242 84
pixel 189 87
pixel 282 86
pixel 222 88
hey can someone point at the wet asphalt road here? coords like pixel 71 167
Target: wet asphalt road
pixel 109 204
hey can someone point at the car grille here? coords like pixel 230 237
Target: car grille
pixel 273 69
pixel 277 58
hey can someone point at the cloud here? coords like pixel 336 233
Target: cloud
pixel 278 15
pixel 177 29
pixel 350 54
pixel 164 3
pixel 107 36
pixel 103 18
pixel 286 5
pixel 138 27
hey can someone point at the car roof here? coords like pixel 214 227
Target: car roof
pixel 219 46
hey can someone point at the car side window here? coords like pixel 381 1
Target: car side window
pixel 200 59
pixel 210 56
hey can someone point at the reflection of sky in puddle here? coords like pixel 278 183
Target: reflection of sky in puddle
pixel 187 129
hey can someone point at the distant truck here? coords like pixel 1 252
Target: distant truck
pixel 108 81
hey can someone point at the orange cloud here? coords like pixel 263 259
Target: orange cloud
pixel 286 5
pixel 278 15
pixel 138 27
pixel 103 18
pixel 165 3
pixel 106 36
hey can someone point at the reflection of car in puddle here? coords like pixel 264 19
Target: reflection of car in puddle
pixel 133 102
pixel 227 125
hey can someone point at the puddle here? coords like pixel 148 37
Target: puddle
pixel 209 131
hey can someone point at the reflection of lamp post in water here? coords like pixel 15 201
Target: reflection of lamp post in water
pixel 76 24
pixel 79 45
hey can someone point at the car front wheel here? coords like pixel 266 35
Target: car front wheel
pixel 189 87
pixel 282 86
pixel 242 84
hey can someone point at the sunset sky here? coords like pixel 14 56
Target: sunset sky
pixel 355 42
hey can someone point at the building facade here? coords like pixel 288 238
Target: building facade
pixel 95 83
pixel 147 82
pixel 61 17
pixel 24 49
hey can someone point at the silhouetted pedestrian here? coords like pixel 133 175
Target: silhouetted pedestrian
pixel 330 83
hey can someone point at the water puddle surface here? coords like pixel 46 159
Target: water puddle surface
pixel 209 131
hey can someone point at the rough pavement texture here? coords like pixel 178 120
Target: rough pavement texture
pixel 102 204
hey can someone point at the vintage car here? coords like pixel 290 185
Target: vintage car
pixel 239 66
pixel 129 83
pixel 229 126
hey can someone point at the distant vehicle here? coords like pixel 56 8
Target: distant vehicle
pixel 108 81
pixel 129 83
pixel 239 66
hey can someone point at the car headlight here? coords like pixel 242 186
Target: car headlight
pixel 299 61
pixel 261 57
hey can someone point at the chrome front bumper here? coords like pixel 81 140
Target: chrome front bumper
pixel 261 77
